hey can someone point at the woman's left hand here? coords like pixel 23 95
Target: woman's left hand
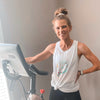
pixel 78 75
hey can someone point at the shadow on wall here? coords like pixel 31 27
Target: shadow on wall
pixel 1 33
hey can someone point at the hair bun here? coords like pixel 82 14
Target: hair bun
pixel 61 10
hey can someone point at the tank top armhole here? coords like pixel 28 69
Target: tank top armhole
pixel 56 47
pixel 77 47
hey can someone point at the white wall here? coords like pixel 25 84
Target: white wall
pixel 28 23
pixel 85 17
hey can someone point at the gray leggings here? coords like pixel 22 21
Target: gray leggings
pixel 58 95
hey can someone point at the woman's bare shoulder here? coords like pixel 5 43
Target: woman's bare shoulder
pixel 51 47
pixel 83 48
pixel 80 45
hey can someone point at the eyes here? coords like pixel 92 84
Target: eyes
pixel 64 26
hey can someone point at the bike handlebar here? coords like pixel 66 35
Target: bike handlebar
pixel 33 69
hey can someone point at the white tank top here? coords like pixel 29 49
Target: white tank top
pixel 65 68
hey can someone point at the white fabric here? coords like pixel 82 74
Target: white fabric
pixel 60 14
pixel 65 68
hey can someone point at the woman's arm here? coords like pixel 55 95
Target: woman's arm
pixel 41 56
pixel 84 50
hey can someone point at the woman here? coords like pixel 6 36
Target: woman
pixel 66 54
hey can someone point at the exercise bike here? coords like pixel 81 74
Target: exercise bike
pixel 15 66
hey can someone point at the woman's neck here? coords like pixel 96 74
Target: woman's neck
pixel 66 43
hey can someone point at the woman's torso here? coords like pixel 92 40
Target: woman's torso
pixel 65 66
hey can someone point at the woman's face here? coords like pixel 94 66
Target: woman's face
pixel 61 29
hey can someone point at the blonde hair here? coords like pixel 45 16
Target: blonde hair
pixel 60 14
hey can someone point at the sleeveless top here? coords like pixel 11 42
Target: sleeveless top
pixel 65 68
